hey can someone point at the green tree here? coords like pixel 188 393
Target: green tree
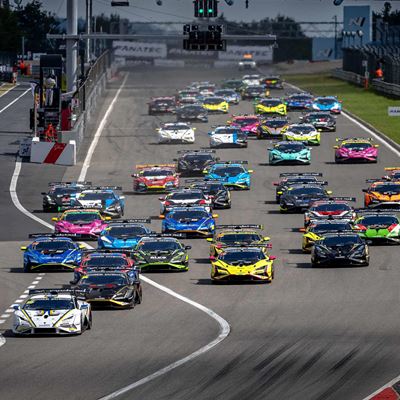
pixel 10 35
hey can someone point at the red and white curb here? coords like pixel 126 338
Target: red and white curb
pixel 53 153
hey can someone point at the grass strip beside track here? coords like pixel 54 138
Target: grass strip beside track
pixel 365 104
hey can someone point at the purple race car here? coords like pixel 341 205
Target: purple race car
pixel 247 123
pixel 88 223
pixel 356 149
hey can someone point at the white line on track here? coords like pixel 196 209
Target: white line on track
pixel 223 324
pixel 15 100
pixel 395 151
pixel 9 90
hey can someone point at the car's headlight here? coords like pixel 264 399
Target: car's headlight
pixel 178 258
pixel 121 294
pixel 106 239
pixel 23 320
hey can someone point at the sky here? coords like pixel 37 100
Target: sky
pixel 182 10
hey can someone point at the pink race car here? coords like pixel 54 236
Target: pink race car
pixel 87 223
pixel 356 149
pixel 248 123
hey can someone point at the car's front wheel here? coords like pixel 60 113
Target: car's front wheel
pixel 27 267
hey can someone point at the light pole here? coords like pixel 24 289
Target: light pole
pixel 72 45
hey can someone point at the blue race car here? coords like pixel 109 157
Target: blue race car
pixel 229 95
pixel 52 250
pixel 192 221
pixel 327 103
pixel 299 101
pixel 123 234
pixel 102 197
pixel 231 173
pixel 289 153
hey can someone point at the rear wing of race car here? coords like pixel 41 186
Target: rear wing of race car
pixel 196 151
pixel 143 166
pixel 164 235
pixel 81 207
pixel 392 169
pixel 105 188
pixel 57 291
pixel 240 226
pixel 377 211
pixel 361 139
pixel 131 221
pixel 117 269
pixel 234 162
pixel 340 198
pixel 247 246
pixel 288 174
pixel 71 183
pixel 56 235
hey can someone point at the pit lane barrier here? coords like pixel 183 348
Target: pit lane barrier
pixel 53 152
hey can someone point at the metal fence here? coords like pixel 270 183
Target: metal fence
pixel 357 59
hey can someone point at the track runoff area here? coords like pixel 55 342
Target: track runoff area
pixel 313 333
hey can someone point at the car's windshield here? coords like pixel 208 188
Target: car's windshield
pixel 245 121
pixel 325 101
pixel 306 191
pixel 49 304
pixel 188 93
pixel 158 245
pixel 302 129
pixel 331 207
pixel 270 103
pixel 230 171
pixel 213 100
pixel 319 117
pixel 96 196
pixel 189 215
pixel 225 92
pixel 255 89
pixel 126 231
pixel 157 172
pixel 239 237
pixel 103 279
pixel 387 188
pixel 341 240
pixel 62 191
pixel 275 123
pixel 356 146
pixel 192 109
pixel 174 127
pixel 330 227
pixel 59 245
pixel 197 157
pixel 300 180
pixel 81 217
pixel 186 196
pixel 300 98
pixel 226 131
pixel 293 147
pixel 243 256
pixel 379 220
pixel 106 261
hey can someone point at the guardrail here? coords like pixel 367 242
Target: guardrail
pixel 389 89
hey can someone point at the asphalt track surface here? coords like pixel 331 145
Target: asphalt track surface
pixel 313 334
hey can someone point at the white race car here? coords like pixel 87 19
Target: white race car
pixel 251 80
pixel 185 198
pixel 227 136
pixel 52 312
pixel 247 64
pixel 176 132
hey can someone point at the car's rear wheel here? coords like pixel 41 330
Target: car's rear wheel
pixel 27 267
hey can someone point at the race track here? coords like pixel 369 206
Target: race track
pixel 313 334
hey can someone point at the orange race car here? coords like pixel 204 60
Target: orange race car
pixel 382 194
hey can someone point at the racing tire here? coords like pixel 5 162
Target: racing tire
pixel 27 268
pixel 337 160
pixel 139 297
pixel 89 322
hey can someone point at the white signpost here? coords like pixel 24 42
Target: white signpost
pixel 394 111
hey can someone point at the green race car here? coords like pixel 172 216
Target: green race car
pixel 378 225
pixel 305 133
pixel 161 252
pixel 289 153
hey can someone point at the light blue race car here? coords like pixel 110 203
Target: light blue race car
pixel 191 221
pixel 327 103
pixel 231 174
pixel 123 234
pixel 289 153
pixel 52 251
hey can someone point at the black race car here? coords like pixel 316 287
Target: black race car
pixel 342 248
pixel 220 194
pixel 161 252
pixel 272 82
pixel 235 84
pixel 299 197
pixel 60 195
pixel 162 105
pixel 293 178
pixel 192 112
pixel 252 92
pixel 103 287
pixel 323 121
pixel 193 162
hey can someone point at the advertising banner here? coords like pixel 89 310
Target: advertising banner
pixel 323 49
pixel 175 51
pixel 260 53
pixel 358 18
pixel 139 49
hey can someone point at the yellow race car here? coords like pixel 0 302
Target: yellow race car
pixel 242 264
pixel 270 106
pixel 216 104
pixel 235 235
pixel 319 228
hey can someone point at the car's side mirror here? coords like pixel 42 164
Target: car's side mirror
pixel 23 248
pixel 335 147
pixel 365 190
pixel 212 258
pixel 209 239
pixel 376 145
pixel 161 198
pixel 302 229
pixel 329 192
pixel 122 197
pixel 266 238
pixel 16 307
pixel 54 219
pixel 188 247
pixel 215 215
pixel 272 258
pixel 107 218
pixel 161 216
pixel 43 193
pixel 250 171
